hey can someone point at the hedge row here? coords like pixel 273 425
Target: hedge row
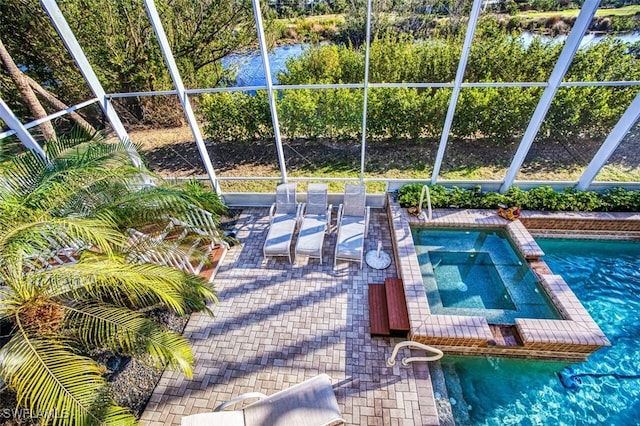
pixel 543 198
pixel 501 114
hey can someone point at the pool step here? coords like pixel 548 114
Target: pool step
pixel 505 335
pixel 388 314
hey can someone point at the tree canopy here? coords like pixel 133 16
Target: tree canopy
pixel 121 46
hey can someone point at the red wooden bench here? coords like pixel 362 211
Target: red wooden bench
pixel 388 308
pixel 378 316
pixel 397 306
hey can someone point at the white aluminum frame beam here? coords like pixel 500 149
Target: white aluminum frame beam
pixel 608 147
pixel 376 86
pixel 457 86
pixel 21 132
pixel 69 39
pixel 257 13
pixel 365 94
pixel 172 67
pixel 569 50
pixel 50 117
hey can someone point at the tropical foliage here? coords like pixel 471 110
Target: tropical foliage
pixel 72 283
pixel 119 41
pixel 500 114
pixel 543 198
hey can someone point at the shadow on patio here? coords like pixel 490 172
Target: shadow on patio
pixel 278 324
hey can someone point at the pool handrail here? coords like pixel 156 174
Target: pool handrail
pixel 391 361
pixel 421 215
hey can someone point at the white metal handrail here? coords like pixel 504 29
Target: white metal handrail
pixel 391 361
pixel 421 215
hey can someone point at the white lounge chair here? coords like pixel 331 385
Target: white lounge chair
pixel 316 222
pixel 310 403
pixel 284 216
pixel 353 225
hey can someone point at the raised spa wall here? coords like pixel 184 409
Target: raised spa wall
pixel 573 337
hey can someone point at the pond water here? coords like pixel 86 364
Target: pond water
pixel 250 68
pixel 251 72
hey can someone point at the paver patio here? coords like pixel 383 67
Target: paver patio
pixel 278 324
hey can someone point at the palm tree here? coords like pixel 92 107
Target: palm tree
pixel 70 281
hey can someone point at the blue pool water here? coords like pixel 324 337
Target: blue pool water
pixel 477 272
pixel 492 391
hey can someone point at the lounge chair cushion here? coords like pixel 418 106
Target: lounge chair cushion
pixel 316 199
pixel 351 238
pixel 286 198
pixel 310 403
pixel 281 231
pixel 311 235
pixel 226 418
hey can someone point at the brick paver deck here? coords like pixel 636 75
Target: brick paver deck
pixel 278 324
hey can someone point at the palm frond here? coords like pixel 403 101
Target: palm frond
pixel 208 200
pixel 148 205
pixel 72 186
pixel 172 246
pixel 113 279
pixel 50 379
pixel 198 294
pixel 75 137
pixel 43 235
pixel 124 330
pixel 80 166
pixel 22 174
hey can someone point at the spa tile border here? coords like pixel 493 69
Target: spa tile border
pixel 572 338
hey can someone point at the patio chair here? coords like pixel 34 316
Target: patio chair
pixel 316 222
pixel 284 216
pixel 310 403
pixel 353 224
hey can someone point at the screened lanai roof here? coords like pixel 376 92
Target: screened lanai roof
pixel 549 86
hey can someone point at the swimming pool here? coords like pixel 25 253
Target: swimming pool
pixel 477 272
pixel 496 391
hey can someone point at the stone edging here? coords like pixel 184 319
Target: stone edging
pixel 573 337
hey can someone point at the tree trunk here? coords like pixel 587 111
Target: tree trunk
pixel 77 118
pixel 28 96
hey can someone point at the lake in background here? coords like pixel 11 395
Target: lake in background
pixel 250 68
pixel 251 71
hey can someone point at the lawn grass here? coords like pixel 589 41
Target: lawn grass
pixel 172 153
pixel 621 11
pixel 310 20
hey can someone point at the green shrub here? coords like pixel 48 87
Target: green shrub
pixel 583 201
pixel 515 197
pixel 409 195
pixel 237 116
pixel 620 199
pixel 498 114
pixel 543 198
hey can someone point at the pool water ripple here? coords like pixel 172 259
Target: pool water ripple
pixel 604 276
pixel 478 273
